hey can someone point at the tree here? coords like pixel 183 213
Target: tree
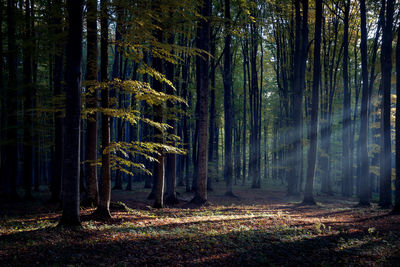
pixel 228 111
pixel 57 170
pixel 308 193
pixel 363 139
pixel 385 192
pixel 397 181
pixel 11 105
pixel 202 63
pixel 170 172
pixel 28 102
pixel 346 131
pixel 91 75
pixel 70 182
pixel 158 169
pixel 2 103
pixel 103 210
pixel 300 57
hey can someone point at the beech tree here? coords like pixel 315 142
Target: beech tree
pixel 103 210
pixel 308 194
pixel 364 162
pixel 70 182
pixel 202 64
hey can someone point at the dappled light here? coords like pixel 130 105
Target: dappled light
pixel 199 133
pixel 270 230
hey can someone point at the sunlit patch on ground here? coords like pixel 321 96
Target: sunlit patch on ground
pixel 261 228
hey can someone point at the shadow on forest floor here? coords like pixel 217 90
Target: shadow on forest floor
pixel 262 228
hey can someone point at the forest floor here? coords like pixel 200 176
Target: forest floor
pixel 263 227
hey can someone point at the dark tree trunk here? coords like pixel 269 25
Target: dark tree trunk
pixel 158 170
pixel 117 123
pixel 170 168
pixel 11 148
pixel 91 75
pixel 377 119
pixel 103 210
pixel 202 63
pixel 213 114
pixel 301 42
pixel 244 117
pixel 70 182
pixel 385 189
pixel 2 104
pixel 133 128
pixel 397 181
pixel 145 129
pixel 28 103
pixel 254 92
pixel 228 165
pixel 266 161
pixel 347 179
pixel 363 139
pixel 186 128
pixel 57 170
pixel 312 154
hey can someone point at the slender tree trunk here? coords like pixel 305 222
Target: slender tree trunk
pixel 158 170
pixel 186 128
pixel 70 182
pixel 11 148
pixel 228 166
pixel 103 209
pixel 91 75
pixel 254 171
pixel 213 113
pixel 266 161
pixel 2 104
pixel 202 63
pixel 28 103
pixel 301 41
pixel 57 170
pixel 385 189
pixel 116 123
pixel 346 177
pixel 308 193
pixel 363 139
pixel 397 181
pixel 170 168
pixel 244 117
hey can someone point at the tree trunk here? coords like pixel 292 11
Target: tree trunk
pixel 91 75
pixel 346 177
pixel 57 171
pixel 170 168
pixel 103 210
pixel 117 123
pixel 28 103
pixel 363 139
pixel 213 114
pixel 397 181
pixel 227 79
pixel 158 170
pixel 186 128
pixel 301 42
pixel 11 149
pixel 3 92
pixel 244 117
pixel 312 154
pixel 202 63
pixel 70 182
pixel 385 192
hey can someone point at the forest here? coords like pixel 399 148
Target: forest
pixel 199 132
